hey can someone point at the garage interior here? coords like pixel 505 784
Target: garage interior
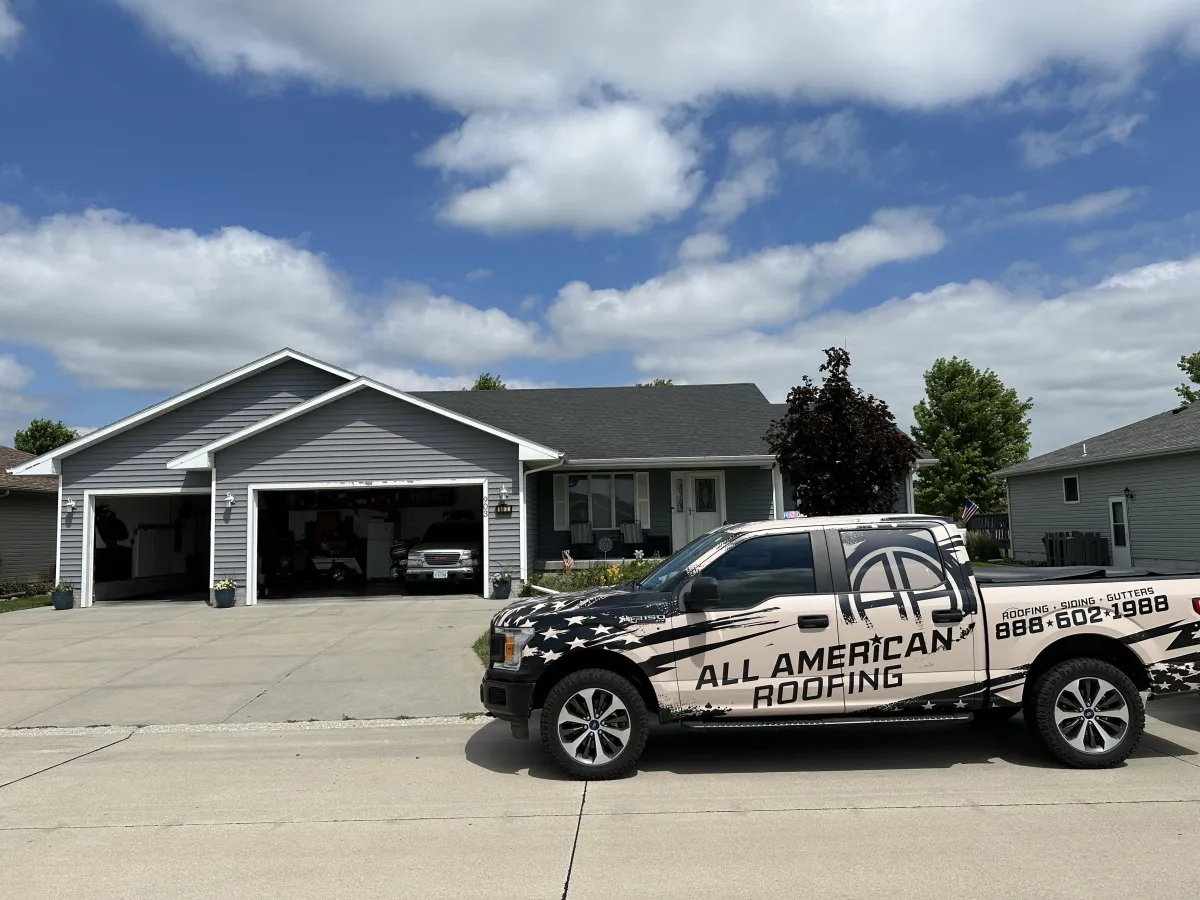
pixel 338 543
pixel 151 547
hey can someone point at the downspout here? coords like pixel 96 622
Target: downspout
pixel 561 461
pixel 5 494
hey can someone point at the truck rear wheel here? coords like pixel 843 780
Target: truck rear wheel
pixel 1089 713
pixel 595 724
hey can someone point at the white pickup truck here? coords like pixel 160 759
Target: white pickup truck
pixel 850 619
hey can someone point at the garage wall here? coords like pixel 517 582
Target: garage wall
pixel 366 436
pixel 27 523
pixel 137 458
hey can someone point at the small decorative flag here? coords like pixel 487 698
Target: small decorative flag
pixel 970 510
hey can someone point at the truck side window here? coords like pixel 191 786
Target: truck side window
pixel 764 567
pixel 885 560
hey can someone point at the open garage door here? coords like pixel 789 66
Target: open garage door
pixel 348 542
pixel 149 546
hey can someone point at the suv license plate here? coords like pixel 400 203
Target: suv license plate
pixel 441 574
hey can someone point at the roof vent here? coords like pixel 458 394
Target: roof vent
pixel 1085 449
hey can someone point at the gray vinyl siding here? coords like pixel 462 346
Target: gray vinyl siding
pixel 365 436
pixel 137 459
pixel 27 526
pixel 1164 516
pixel 749 494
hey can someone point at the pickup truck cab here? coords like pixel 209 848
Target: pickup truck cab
pixel 852 619
pixel 448 553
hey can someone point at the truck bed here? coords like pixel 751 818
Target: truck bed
pixel 1012 575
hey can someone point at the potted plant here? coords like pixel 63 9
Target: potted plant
pixel 224 593
pixel 63 595
pixel 501 585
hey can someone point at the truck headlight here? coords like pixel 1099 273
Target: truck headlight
pixel 415 562
pixel 507 655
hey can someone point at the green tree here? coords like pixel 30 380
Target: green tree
pixel 1190 366
pixel 974 425
pixel 838 447
pixel 488 382
pixel 42 436
pixel 657 382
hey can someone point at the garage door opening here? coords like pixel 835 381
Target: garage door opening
pixel 151 547
pixel 356 542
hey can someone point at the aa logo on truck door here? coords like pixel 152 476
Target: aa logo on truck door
pixel 899 567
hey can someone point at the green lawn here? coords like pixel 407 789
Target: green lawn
pixel 24 603
pixel 481 648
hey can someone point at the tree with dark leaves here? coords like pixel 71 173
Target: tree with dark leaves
pixel 840 448
pixel 42 436
pixel 1190 366
pixel 488 382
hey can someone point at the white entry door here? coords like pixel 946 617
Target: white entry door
pixel 1118 523
pixel 706 502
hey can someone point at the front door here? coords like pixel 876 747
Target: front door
pixel 706 502
pixel 769 646
pixel 909 622
pixel 1118 521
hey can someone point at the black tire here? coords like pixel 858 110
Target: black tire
pixel 338 573
pixel 636 716
pixel 1110 746
pixel 994 715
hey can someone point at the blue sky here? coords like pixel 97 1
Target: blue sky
pixel 574 196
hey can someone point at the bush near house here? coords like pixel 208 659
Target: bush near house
pixel 25 588
pixel 596 576
pixel 982 547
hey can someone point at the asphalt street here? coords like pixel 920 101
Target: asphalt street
pixel 455 808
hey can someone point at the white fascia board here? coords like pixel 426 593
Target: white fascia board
pixel 663 461
pixel 47 463
pixel 204 457
pixel 926 463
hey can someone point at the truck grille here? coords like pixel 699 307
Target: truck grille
pixel 442 559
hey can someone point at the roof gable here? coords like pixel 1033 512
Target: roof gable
pixel 47 463
pixel 1174 431
pixel 10 458
pixel 204 457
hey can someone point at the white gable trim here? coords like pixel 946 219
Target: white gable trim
pixel 203 457
pixel 48 463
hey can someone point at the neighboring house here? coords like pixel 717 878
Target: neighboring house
pixel 290 449
pixel 1138 486
pixel 27 514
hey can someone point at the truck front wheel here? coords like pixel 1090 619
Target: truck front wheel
pixel 1089 713
pixel 595 724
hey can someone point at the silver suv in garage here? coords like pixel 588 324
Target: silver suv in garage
pixel 449 552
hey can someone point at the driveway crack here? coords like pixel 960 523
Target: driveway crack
pixel 119 740
pixel 575 843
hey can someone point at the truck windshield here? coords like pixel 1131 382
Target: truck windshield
pixel 453 533
pixel 674 566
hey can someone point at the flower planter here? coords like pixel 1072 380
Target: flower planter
pixel 501 590
pixel 224 598
pixel 63 599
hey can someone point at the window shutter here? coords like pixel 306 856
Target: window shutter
pixel 561 515
pixel 643 498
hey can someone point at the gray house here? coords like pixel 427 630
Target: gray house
pixel 288 453
pixel 1139 486
pixel 27 514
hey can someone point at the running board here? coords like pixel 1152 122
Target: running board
pixel 829 720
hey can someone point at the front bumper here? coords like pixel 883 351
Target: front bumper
pixel 508 700
pixel 425 573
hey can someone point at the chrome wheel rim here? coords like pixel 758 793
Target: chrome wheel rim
pixel 1091 715
pixel 594 726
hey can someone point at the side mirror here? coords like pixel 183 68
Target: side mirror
pixel 704 594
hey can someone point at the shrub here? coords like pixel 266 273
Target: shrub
pixel 982 547
pixel 596 576
pixel 25 588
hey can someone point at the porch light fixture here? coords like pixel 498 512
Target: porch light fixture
pixel 229 501
pixel 1129 495
pixel 70 504
pixel 503 491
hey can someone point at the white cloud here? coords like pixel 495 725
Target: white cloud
pixel 751 177
pixel 15 408
pixel 1082 137
pixel 1082 209
pixel 479 54
pixel 124 304
pixel 831 142
pixel 617 167
pixel 479 274
pixel 1092 359
pixel 703 245
pixel 10 28
pixel 767 287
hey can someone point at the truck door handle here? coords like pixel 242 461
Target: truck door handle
pixel 947 616
pixel 812 623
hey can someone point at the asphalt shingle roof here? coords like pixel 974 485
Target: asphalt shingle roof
pixel 1174 431
pixel 625 422
pixel 37 483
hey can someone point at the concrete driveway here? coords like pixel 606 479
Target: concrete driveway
pixel 155 663
pixel 460 810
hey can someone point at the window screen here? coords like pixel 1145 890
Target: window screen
pixel 892 559
pixel 761 568
pixel 626 498
pixel 577 493
pixel 1071 489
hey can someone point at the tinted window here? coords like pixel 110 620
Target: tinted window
pixel 1071 489
pixel 764 567
pixel 892 559
pixel 674 566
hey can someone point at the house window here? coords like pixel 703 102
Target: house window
pixel 605 500
pixel 1071 489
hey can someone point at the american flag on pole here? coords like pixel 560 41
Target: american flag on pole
pixel 970 510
